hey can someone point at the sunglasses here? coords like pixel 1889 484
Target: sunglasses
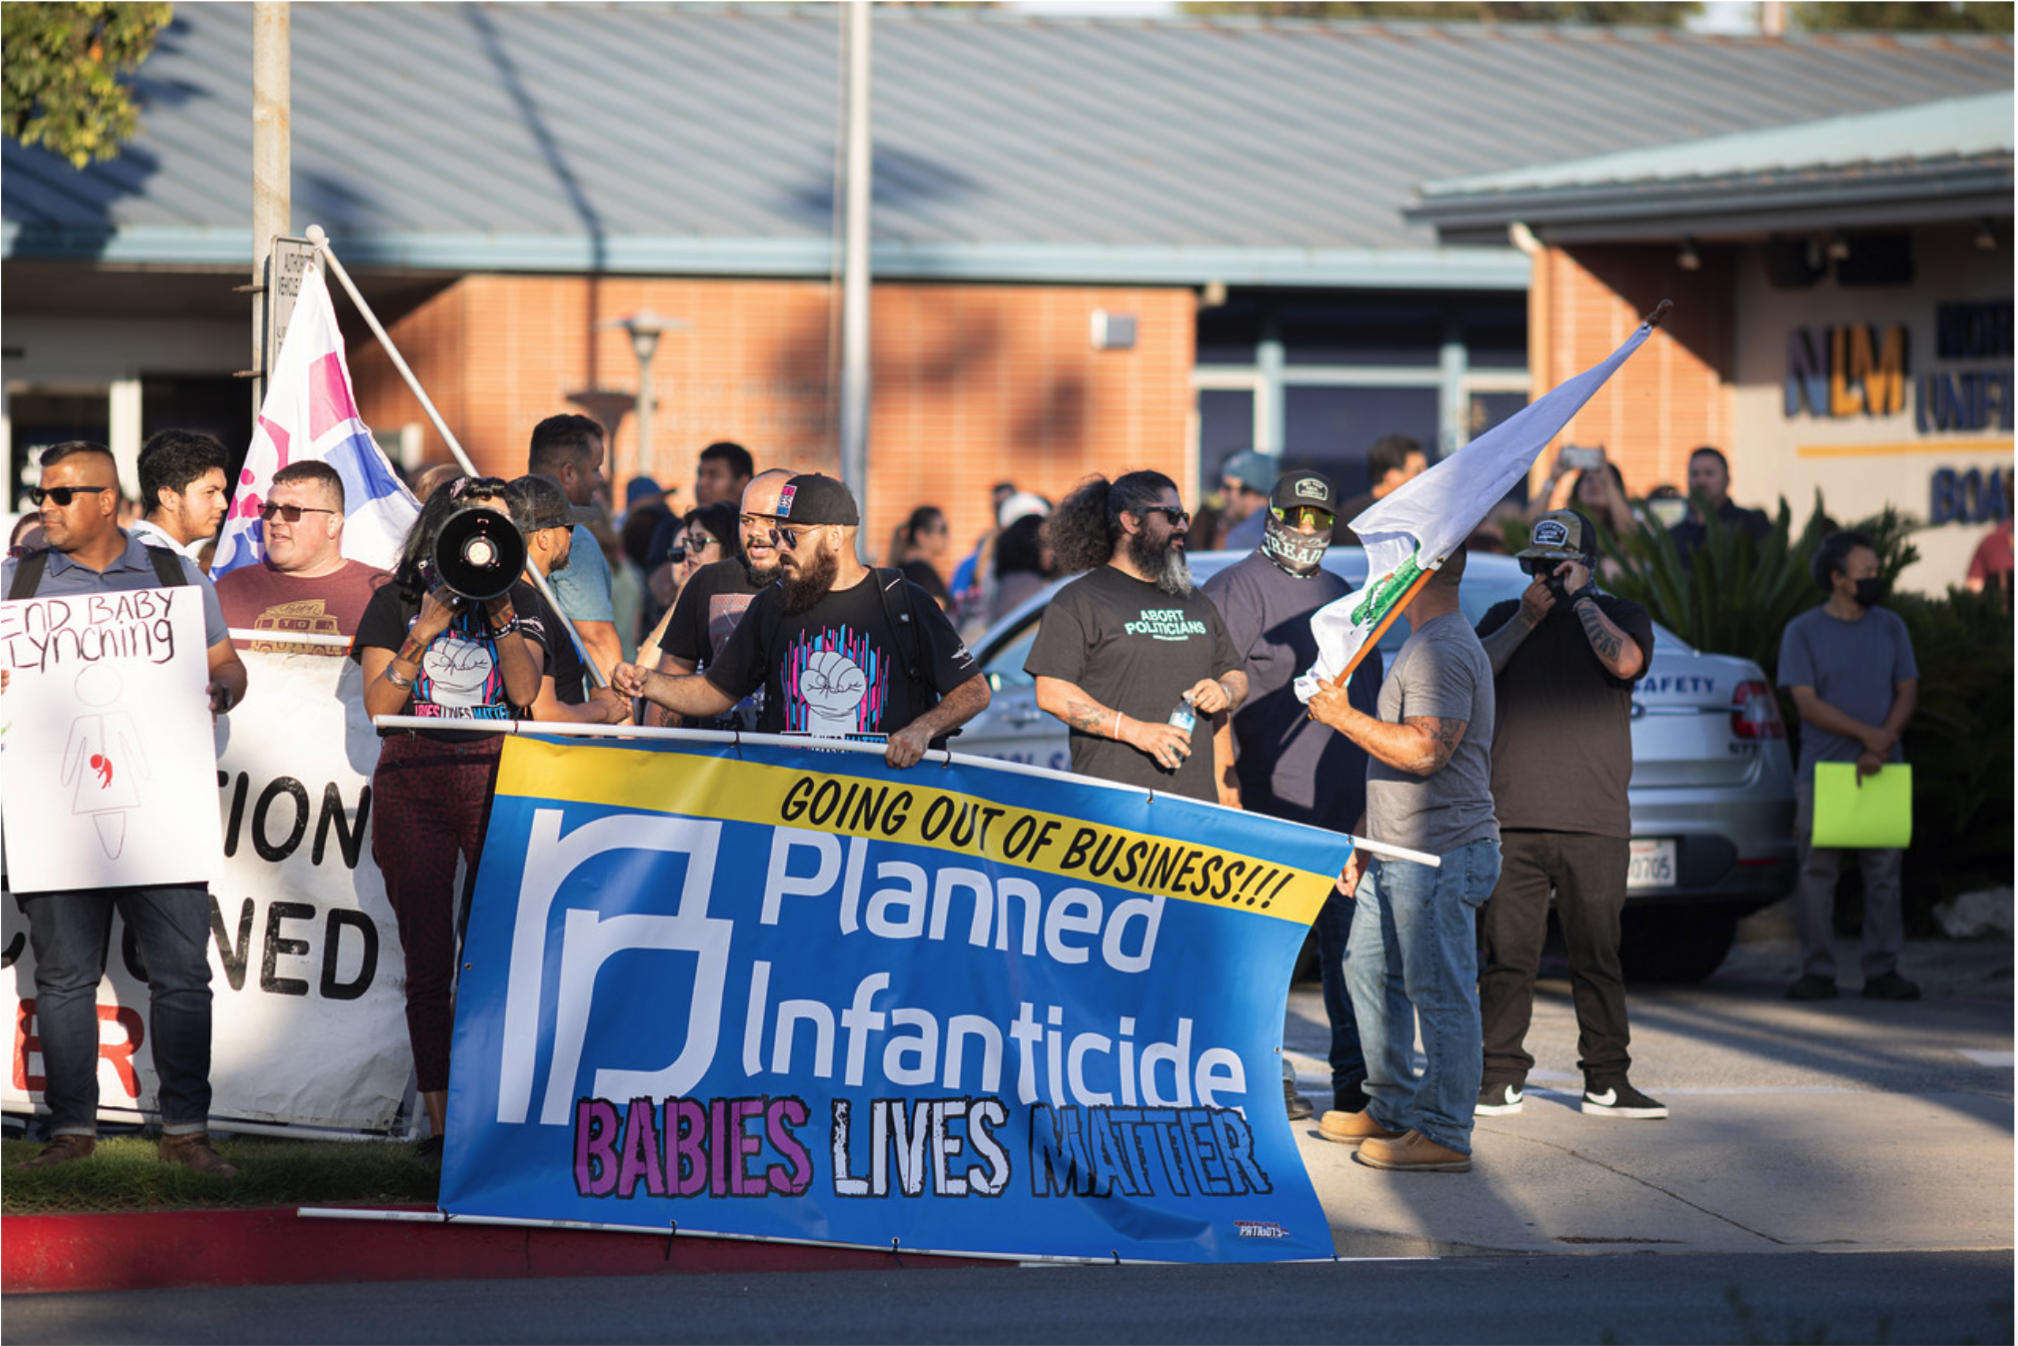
pixel 63 495
pixel 289 513
pixel 1296 516
pixel 789 537
pixel 1179 518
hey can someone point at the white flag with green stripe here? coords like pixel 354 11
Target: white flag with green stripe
pixel 1414 528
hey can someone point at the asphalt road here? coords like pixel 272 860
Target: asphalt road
pixel 1813 1297
pixel 1832 1172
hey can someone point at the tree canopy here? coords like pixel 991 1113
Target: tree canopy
pixel 1904 16
pixel 64 74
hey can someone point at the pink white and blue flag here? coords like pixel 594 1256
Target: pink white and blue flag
pixel 310 412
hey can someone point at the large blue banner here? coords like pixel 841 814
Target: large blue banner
pixel 796 994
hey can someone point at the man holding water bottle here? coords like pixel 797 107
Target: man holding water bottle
pixel 1131 656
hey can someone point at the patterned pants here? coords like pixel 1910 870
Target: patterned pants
pixel 429 803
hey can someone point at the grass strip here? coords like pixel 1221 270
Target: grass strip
pixel 123 1174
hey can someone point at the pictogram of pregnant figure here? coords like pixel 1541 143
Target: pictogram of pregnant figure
pixel 832 686
pixel 103 758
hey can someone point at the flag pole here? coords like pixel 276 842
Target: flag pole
pixel 1373 637
pixel 318 238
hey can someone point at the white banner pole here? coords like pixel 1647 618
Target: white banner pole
pixel 319 237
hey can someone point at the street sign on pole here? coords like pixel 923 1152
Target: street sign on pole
pixel 283 287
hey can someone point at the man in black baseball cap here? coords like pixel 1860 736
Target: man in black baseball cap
pixel 1565 658
pixel 841 651
pixel 1288 765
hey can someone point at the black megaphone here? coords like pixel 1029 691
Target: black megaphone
pixel 479 554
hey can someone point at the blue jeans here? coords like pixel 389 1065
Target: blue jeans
pixel 69 932
pixel 1334 927
pixel 1414 956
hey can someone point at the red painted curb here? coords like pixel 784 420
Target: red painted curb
pixel 43 1254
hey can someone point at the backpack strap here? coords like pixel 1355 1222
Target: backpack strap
pixel 167 566
pixel 28 574
pixel 903 619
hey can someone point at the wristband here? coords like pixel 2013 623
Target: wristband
pixel 507 629
pixel 1117 726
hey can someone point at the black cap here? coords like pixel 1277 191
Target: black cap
pixel 538 502
pixel 1303 488
pixel 815 500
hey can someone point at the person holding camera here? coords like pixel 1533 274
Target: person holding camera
pixel 1565 659
pixel 431 652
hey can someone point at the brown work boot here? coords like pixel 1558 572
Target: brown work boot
pixel 61 1150
pixel 1350 1128
pixel 1413 1151
pixel 194 1151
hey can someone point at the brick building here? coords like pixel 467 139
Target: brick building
pixel 504 181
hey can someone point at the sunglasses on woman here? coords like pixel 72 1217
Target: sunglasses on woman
pixel 63 495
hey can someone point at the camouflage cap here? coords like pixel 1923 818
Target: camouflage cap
pixel 1561 535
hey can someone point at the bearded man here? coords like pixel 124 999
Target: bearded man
pixel 840 650
pixel 1129 654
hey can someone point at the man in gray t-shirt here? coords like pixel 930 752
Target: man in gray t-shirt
pixel 1850 668
pixel 1413 945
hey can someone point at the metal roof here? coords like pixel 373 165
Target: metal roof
pixel 1950 159
pixel 690 139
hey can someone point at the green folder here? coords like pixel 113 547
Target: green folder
pixel 1872 813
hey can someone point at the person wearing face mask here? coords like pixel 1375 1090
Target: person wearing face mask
pixel 1849 666
pixel 1278 753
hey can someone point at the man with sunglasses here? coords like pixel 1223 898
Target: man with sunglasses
pixel 1565 659
pixel 90 554
pixel 825 646
pixel 304 585
pixel 1284 763
pixel 712 603
pixel 1129 653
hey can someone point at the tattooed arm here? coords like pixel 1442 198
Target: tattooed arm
pixel 1419 745
pixel 1166 743
pixel 1620 654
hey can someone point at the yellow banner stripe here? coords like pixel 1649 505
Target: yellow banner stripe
pixel 2002 446
pixel 917 814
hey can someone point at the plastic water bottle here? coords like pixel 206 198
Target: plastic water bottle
pixel 1184 717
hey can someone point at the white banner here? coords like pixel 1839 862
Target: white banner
pixel 309 1028
pixel 108 741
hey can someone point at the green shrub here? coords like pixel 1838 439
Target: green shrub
pixel 1737 598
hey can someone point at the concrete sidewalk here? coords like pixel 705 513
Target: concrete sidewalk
pixel 1733 1172
pixel 1835 1125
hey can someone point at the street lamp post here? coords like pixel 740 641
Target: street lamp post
pixel 645 328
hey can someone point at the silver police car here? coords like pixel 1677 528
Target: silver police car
pixel 1712 789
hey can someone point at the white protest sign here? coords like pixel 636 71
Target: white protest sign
pixel 109 780
pixel 308 1025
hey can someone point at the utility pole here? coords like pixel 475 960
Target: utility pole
pixel 855 273
pixel 271 167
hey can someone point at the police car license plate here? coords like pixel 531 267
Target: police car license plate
pixel 1651 864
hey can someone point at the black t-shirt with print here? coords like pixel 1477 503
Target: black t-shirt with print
pixel 709 607
pixel 836 669
pixel 459 677
pixel 1130 645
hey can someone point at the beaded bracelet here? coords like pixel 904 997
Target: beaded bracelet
pixel 507 629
